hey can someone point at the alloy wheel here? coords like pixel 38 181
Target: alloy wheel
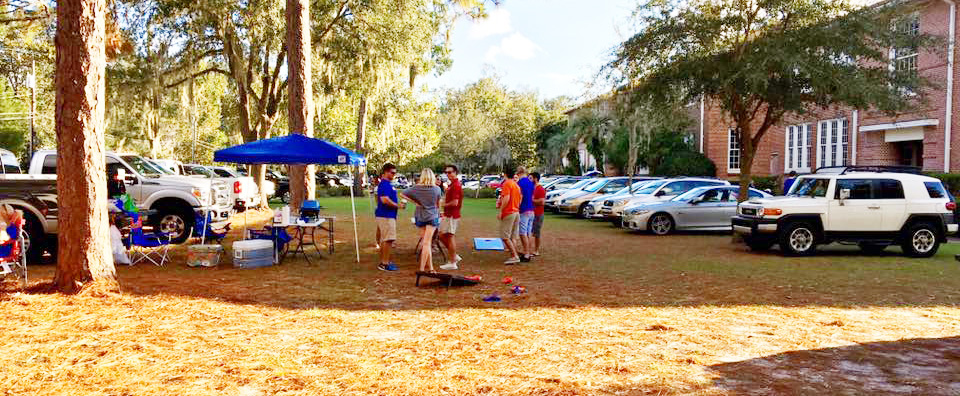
pixel 173 226
pixel 801 239
pixel 923 240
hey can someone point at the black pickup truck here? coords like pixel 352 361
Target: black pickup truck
pixel 36 197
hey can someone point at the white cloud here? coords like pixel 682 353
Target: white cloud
pixel 516 46
pixel 496 23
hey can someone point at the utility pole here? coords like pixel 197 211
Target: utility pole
pixel 33 110
pixel 193 120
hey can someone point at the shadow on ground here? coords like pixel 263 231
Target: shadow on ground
pixel 925 366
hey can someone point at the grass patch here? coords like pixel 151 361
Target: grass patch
pixel 606 312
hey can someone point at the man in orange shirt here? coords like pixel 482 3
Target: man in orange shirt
pixel 509 215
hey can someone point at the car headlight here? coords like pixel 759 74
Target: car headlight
pixel 638 211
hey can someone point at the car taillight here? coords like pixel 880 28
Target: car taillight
pixel 951 206
pixel 236 187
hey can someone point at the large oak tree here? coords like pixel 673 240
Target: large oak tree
pixel 761 60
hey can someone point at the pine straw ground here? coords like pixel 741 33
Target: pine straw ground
pixel 607 312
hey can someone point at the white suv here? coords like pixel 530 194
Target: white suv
pixel 866 206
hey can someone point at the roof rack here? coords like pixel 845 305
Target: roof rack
pixel 842 170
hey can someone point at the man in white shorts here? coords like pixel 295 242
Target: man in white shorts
pixel 452 202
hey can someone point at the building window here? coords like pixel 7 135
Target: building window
pixel 733 150
pixel 905 57
pixel 834 147
pixel 798 148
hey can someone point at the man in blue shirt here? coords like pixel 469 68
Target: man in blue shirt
pixel 526 214
pixel 386 213
pixel 792 177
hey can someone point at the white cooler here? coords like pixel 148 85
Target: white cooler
pixel 253 253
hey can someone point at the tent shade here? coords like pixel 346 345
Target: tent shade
pixel 290 150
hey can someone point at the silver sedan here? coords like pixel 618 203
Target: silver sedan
pixel 700 209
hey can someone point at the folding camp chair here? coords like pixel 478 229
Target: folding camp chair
pixel 13 258
pixel 151 246
pixel 211 234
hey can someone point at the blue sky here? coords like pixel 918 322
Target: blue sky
pixel 554 47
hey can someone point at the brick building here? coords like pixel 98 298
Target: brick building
pixel 845 136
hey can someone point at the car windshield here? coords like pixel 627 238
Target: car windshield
pixel 161 168
pixel 691 194
pixel 198 170
pixel 809 187
pixel 650 188
pixel 223 172
pixel 595 186
pixel 143 166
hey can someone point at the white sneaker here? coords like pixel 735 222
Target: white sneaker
pixel 457 260
pixel 449 266
pixel 512 260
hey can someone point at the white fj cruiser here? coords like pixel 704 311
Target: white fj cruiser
pixel 873 207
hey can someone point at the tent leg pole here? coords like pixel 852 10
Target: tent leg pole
pixel 356 237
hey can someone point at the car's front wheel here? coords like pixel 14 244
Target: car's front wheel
pixel 661 224
pixel 175 222
pixel 920 240
pixel 799 239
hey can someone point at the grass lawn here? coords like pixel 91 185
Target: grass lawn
pixel 606 312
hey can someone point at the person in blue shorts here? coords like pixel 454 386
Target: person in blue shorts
pixel 526 214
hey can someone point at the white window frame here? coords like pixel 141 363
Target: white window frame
pixel 797 149
pixel 903 56
pixel 833 142
pixel 731 135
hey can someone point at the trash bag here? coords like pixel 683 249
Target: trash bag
pixel 116 244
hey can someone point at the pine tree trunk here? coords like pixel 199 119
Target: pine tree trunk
pixel 300 103
pixel 84 254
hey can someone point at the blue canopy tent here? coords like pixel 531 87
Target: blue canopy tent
pixel 295 149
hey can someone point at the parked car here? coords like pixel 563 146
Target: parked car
pixel 561 183
pixel 281 185
pixel 869 206
pixel 576 202
pixel 661 190
pixel 593 173
pixel 553 197
pixel 485 181
pixel 177 200
pixel 248 191
pixel 596 204
pixel 9 162
pixel 700 209
pixel 36 197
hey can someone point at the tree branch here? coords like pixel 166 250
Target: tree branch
pixel 198 74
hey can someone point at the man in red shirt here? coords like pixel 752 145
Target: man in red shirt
pixel 509 215
pixel 539 199
pixel 452 202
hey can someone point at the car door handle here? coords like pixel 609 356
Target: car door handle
pixel 874 206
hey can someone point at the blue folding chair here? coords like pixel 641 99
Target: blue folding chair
pixel 151 246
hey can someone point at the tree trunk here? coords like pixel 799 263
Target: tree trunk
pixel 631 156
pixel 300 103
pixel 747 153
pixel 84 254
pixel 361 140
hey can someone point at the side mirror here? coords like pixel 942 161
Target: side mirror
pixel 661 193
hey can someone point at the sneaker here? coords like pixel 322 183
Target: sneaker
pixel 524 258
pixel 512 260
pixel 387 267
pixel 449 266
pixel 457 260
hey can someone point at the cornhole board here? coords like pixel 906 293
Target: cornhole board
pixel 487 244
pixel 448 279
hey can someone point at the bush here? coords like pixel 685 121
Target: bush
pixel 336 191
pixel 767 183
pixel 686 163
pixel 484 193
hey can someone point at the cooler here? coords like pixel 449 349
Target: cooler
pixel 253 253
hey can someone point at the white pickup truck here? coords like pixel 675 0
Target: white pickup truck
pixel 178 200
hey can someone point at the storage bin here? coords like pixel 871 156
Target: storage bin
pixel 204 255
pixel 253 253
